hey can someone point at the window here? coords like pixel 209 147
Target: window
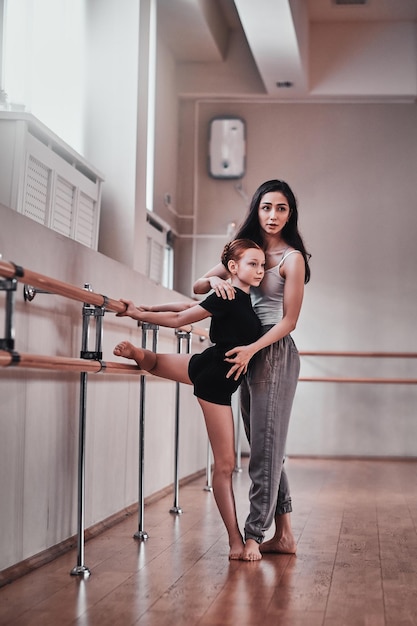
pixel 159 251
pixel 43 60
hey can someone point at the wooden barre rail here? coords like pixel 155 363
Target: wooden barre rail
pixel 54 286
pixel 60 363
pixel 68 364
pixel 369 380
pixel 373 381
pixel 384 355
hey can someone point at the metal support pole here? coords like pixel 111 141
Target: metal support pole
pixel 208 486
pixel 89 311
pixel 181 334
pixel 81 569
pixel 238 417
pixel 141 534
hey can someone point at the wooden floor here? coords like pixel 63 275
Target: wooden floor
pixel 355 522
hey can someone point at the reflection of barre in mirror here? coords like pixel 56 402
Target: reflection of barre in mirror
pixel 233 323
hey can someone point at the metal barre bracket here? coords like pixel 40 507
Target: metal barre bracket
pixel 182 334
pixel 148 326
pixel 30 292
pixel 9 286
pixel 97 312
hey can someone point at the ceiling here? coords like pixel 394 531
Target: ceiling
pixel 288 38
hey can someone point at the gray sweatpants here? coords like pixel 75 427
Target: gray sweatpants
pixel 266 398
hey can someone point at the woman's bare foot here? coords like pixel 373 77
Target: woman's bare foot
pixel 283 541
pixel 129 351
pixel 283 545
pixel 251 551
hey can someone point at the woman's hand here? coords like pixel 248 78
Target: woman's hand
pixel 240 358
pixel 222 288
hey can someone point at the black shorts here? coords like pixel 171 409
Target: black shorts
pixel 207 372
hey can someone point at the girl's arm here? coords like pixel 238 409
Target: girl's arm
pixel 170 306
pixel 171 319
pixel 294 274
pixel 218 279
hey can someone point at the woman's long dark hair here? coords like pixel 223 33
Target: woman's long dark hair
pixel 250 228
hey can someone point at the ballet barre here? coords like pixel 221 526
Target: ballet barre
pixel 368 381
pixel 39 283
pixel 359 379
pixel 95 305
pixel 378 355
pixel 67 364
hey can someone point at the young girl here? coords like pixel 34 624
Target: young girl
pixel 268 389
pixel 234 323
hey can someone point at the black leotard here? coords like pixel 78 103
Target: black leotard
pixel 233 323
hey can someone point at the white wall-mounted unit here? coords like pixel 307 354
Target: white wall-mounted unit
pixel 44 179
pixel 227 147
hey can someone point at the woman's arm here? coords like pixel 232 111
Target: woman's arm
pixel 171 319
pixel 294 275
pixel 218 279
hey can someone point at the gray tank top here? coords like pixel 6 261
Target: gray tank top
pixel 267 299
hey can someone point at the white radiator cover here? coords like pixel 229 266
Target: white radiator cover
pixel 46 180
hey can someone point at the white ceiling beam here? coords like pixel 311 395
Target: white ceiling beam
pixel 277 34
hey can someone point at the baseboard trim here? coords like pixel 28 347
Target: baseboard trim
pixel 22 568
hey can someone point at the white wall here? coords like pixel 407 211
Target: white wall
pixel 352 167
pixel 344 55
pixel 39 410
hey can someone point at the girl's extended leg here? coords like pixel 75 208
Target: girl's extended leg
pixel 170 366
pixel 220 429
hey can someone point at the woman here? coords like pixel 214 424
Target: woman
pixel 233 322
pixel 268 391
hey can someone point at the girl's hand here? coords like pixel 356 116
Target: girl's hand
pixel 131 310
pixel 222 288
pixel 240 358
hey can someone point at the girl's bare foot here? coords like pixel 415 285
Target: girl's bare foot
pixel 128 350
pixel 251 551
pixel 236 550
